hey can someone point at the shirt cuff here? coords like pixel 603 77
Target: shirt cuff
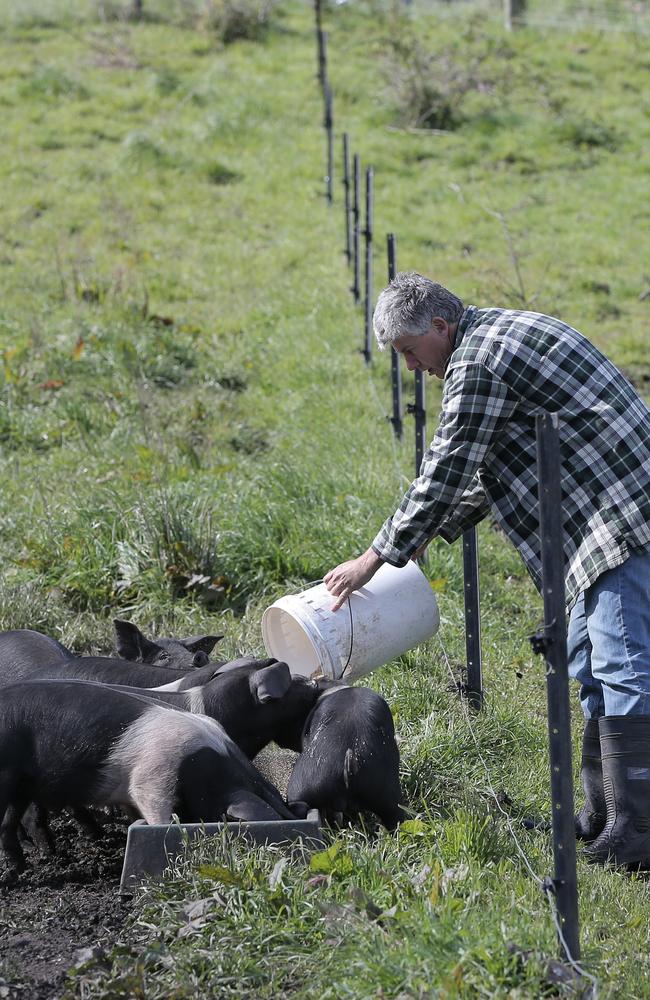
pixel 388 552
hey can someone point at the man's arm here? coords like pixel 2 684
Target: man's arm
pixel 477 405
pixel 472 507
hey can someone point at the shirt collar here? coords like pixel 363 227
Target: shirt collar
pixel 465 321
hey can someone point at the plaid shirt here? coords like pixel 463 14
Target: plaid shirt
pixel 506 366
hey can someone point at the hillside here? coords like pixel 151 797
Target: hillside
pixel 188 430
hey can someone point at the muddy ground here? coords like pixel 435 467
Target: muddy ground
pixel 70 901
pixel 61 904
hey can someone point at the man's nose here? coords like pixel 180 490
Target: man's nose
pixel 412 363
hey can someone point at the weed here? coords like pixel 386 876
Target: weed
pixel 51 84
pixel 232 20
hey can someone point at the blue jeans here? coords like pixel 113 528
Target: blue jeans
pixel 608 641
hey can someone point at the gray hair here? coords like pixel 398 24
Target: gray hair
pixel 408 306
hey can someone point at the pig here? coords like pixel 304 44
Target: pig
pixel 349 760
pixel 255 701
pixel 24 650
pixel 178 654
pixel 111 670
pixel 67 744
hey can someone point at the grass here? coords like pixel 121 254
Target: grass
pixel 188 432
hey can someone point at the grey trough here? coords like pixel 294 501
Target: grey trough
pixel 152 849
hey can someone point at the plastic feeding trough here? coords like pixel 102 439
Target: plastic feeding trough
pixel 394 612
pixel 150 849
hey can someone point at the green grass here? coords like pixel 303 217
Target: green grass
pixel 188 431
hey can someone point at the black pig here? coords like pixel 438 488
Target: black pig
pixel 23 651
pixel 179 654
pixel 349 761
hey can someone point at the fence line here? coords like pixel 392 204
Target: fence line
pixel 563 887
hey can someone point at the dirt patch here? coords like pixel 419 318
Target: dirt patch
pixel 61 904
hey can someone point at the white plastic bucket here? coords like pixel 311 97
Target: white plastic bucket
pixel 394 612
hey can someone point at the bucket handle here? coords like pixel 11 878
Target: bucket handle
pixel 313 583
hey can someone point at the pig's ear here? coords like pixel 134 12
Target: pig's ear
pixel 201 643
pixel 131 644
pixel 270 683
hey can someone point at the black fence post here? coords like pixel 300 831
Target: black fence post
pixel 551 641
pixel 319 41
pixel 473 689
pixel 356 175
pixel 329 122
pixel 322 56
pixel 419 412
pixel 395 369
pixel 368 234
pixel 346 191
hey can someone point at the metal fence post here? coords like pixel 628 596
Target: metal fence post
pixel 368 234
pixel 419 412
pixel 395 369
pixel 346 190
pixel 473 689
pixel 356 174
pixel 551 641
pixel 329 121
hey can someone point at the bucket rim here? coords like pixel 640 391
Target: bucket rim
pixel 318 644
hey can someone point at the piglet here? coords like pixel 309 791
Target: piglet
pixel 70 744
pixel 349 761
pixel 22 649
pixel 256 701
pixel 26 653
pixel 179 654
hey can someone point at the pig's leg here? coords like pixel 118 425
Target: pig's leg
pixel 44 836
pixel 10 816
pixel 152 793
pixel 87 822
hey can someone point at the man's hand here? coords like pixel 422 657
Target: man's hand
pixel 349 576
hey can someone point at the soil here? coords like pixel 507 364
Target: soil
pixel 69 901
pixel 62 903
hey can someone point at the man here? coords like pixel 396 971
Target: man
pixel 501 367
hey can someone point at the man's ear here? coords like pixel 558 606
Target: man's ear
pixel 440 325
pixel 270 683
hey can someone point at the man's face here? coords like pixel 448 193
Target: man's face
pixel 427 352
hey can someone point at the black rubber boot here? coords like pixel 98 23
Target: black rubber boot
pixel 591 819
pixel 625 754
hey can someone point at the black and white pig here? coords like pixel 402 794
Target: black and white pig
pixel 349 760
pixel 256 701
pixel 71 744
